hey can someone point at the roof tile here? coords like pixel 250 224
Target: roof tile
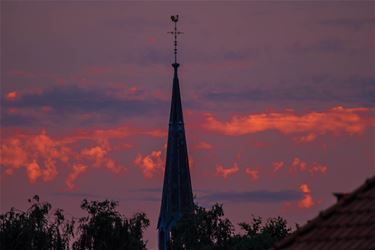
pixel 348 224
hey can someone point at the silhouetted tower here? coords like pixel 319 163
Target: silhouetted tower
pixel 177 197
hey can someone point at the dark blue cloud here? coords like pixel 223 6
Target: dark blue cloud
pixel 8 120
pixel 253 196
pixel 354 91
pixel 233 196
pixel 72 100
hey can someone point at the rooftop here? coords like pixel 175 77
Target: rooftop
pixel 348 224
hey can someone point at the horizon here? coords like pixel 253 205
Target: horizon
pixel 278 102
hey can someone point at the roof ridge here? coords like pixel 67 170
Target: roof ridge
pixel 369 183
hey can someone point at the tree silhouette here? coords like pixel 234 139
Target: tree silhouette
pixel 106 228
pixel 205 229
pixel 208 229
pixel 33 229
pixel 259 235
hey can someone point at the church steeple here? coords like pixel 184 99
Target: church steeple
pixel 176 106
pixel 177 199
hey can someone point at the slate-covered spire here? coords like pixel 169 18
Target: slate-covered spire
pixel 177 199
pixel 176 107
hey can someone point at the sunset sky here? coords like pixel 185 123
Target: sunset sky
pixel 278 102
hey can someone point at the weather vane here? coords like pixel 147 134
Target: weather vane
pixel 175 33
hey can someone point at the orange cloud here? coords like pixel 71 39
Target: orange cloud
pixel 305 139
pixel 307 201
pixel 41 154
pixel 298 165
pixel 151 164
pixel 77 170
pixel 113 167
pixel 50 171
pixel 336 120
pixel 301 166
pixel 227 172
pixel 159 133
pixel 318 168
pixel 252 173
pixel 102 136
pixel 37 153
pixel 13 154
pixel 33 171
pixel 11 96
pixel 204 146
pixel 97 153
pixel 304 188
pixel 277 166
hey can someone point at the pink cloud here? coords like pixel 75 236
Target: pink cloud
pixel 113 167
pixel 335 121
pixel 33 171
pixel 299 165
pixel 37 153
pixel 159 133
pixel 277 166
pixel 13 154
pixel 305 139
pixel 227 172
pixel 103 135
pixel 204 145
pixel 49 171
pixel 77 170
pixel 151 164
pixel 318 168
pixel 11 96
pixel 40 154
pixel 127 92
pixel 97 153
pixel 252 173
pixel 100 157
pixel 307 201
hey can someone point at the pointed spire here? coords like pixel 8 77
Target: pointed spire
pixel 177 198
pixel 176 115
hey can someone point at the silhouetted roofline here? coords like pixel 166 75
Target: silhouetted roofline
pixel 369 183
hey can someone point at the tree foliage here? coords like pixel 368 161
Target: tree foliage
pixel 205 229
pixel 105 228
pixel 209 229
pixel 259 235
pixel 40 228
pixel 34 229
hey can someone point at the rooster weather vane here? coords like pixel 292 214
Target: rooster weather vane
pixel 175 33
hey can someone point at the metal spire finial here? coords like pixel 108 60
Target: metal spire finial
pixel 175 33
